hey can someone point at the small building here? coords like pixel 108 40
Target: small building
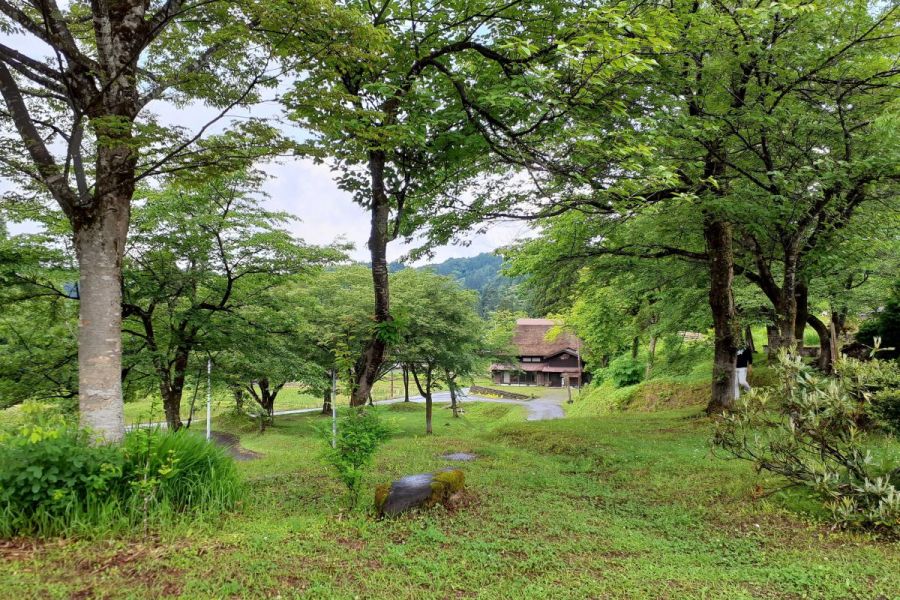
pixel 541 361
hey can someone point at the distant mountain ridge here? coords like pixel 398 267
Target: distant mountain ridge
pixel 482 273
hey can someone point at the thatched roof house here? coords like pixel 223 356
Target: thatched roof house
pixel 542 359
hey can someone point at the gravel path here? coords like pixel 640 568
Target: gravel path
pixel 544 408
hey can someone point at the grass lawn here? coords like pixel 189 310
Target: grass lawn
pixel 290 398
pixel 527 390
pixel 626 505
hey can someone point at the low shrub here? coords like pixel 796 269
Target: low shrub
pixel 56 480
pixel 680 357
pixel 359 433
pixel 52 476
pixel 875 385
pixel 625 371
pixel 806 430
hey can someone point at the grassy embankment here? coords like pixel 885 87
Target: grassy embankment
pixel 601 504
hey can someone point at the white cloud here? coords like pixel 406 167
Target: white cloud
pixel 308 191
pixel 296 186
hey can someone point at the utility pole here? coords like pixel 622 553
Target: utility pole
pixel 208 399
pixel 333 408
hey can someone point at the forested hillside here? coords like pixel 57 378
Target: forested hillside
pixel 483 273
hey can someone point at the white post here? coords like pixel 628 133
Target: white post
pixel 208 399
pixel 333 408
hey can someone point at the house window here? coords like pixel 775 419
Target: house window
pixel 532 359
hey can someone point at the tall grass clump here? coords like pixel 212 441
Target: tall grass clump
pixel 56 480
pixel 171 473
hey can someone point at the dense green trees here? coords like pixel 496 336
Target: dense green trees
pixel 658 162
pixel 750 158
pixel 202 275
pixel 77 127
pixel 442 337
pixel 401 105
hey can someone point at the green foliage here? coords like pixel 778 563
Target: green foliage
pixel 875 385
pixel 806 431
pixel 885 325
pixel 625 371
pixel 886 408
pixel 635 497
pixel 484 274
pixel 680 357
pixel 51 475
pixel 178 471
pixel 360 433
pixel 443 338
pixel 56 480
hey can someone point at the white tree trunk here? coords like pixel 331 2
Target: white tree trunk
pixel 99 246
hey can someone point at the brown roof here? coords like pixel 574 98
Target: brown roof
pixel 531 338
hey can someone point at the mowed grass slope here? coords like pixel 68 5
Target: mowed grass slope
pixel 626 505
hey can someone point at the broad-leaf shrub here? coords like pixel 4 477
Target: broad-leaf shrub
pixel 50 474
pixel 55 479
pixel 625 371
pixel 875 384
pixel 359 433
pixel 806 430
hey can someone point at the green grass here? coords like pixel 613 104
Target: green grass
pixel 292 397
pixel 626 505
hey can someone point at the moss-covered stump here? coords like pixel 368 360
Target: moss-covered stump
pixel 418 491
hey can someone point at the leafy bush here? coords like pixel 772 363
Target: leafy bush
pixel 54 479
pixel 875 384
pixel 885 409
pixel 625 371
pixel 360 432
pixel 885 325
pixel 806 430
pixel 680 357
pixel 50 474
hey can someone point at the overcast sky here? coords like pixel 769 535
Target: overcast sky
pixel 308 191
pixel 299 186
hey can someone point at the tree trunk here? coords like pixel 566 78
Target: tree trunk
pixel 172 390
pixel 238 393
pixel 748 338
pixel 99 246
pixel 801 295
pixel 635 343
pixel 405 383
pixel 370 361
pixel 426 393
pixel 824 332
pixel 721 274
pixel 786 308
pixel 326 402
pixel 651 351
pixel 453 404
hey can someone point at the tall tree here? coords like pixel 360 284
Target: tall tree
pixel 442 335
pixel 77 126
pixel 202 274
pixel 713 129
pixel 400 110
